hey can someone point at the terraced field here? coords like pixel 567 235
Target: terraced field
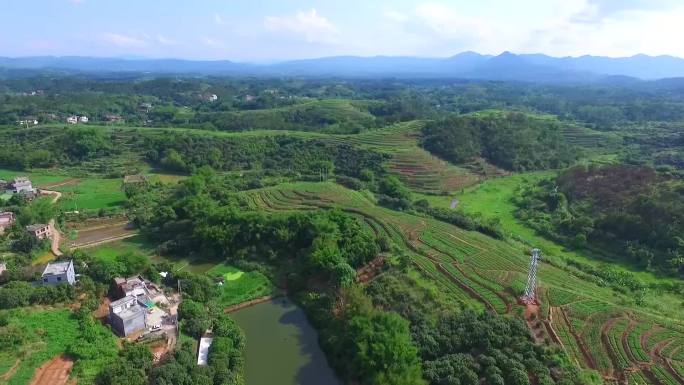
pixel 585 319
pixel 417 168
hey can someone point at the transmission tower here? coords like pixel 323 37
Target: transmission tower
pixel 530 295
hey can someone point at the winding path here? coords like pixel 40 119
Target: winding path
pixel 56 236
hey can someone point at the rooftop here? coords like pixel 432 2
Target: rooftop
pixel 137 178
pixel 203 351
pixel 55 268
pixel 131 312
pixel 122 301
pixel 36 227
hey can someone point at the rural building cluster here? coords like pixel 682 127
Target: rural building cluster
pixel 75 119
pixel 137 311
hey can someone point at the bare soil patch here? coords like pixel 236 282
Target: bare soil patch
pixel 89 237
pixel 54 372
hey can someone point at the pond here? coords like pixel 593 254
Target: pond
pixel 282 347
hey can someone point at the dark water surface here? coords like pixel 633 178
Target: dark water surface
pixel 282 347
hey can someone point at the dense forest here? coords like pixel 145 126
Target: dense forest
pixel 633 210
pixel 513 141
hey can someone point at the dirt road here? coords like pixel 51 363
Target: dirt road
pixel 53 372
pixel 56 236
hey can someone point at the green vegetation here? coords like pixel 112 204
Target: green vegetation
pixel 513 141
pixel 631 209
pixel 239 286
pixel 395 213
pixel 35 336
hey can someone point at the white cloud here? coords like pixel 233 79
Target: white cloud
pixel 210 42
pixel 308 25
pixel 124 41
pixel 395 16
pixel 621 32
pixel 448 23
pixel 163 40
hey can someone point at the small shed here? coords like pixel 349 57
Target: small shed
pixel 203 350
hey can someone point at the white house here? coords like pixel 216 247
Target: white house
pixel 39 230
pixel 72 119
pixel 83 119
pixel 29 122
pixel 59 272
pixel 21 184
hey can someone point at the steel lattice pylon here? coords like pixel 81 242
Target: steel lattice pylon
pixel 530 295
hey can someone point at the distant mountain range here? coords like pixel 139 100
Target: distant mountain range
pixel 467 65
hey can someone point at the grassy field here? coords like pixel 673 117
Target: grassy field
pixel 140 246
pixel 240 286
pixel 39 178
pixel 48 334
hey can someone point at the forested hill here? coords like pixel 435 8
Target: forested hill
pixel 513 141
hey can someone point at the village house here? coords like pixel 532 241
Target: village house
pixel 133 286
pixel 59 272
pixel 3 267
pixel 21 184
pixel 127 316
pixel 134 179
pixel 83 119
pixel 39 230
pixel 6 220
pixel 29 121
pixel 145 107
pixel 113 118
pixel 72 119
pixel 209 97
pixel 147 295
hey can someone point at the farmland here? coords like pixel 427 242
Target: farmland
pixel 592 323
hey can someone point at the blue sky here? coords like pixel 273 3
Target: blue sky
pixel 268 30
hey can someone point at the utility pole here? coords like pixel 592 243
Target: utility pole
pixel 530 295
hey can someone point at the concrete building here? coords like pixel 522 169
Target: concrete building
pixel 6 220
pixel 39 230
pixel 59 272
pixel 21 184
pixel 3 267
pixel 112 118
pixel 83 119
pixel 133 286
pixel 30 121
pixel 72 119
pixel 127 316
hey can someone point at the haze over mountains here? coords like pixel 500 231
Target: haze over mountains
pixel 466 65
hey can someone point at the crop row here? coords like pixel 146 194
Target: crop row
pixel 560 297
pixel 660 336
pixel 480 293
pixel 564 333
pixel 612 337
pixel 634 341
pixel 674 349
pixel 663 376
pixel 591 333
pixel 428 268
